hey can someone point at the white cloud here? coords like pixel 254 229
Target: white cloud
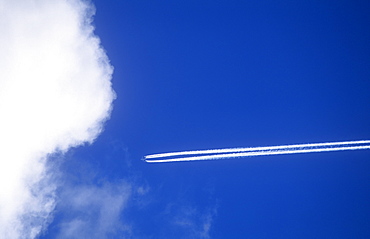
pixel 55 93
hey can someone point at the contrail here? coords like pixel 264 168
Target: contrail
pixel 213 154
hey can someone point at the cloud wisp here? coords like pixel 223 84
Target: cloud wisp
pixel 213 154
pixel 55 93
pixel 94 211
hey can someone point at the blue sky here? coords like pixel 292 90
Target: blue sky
pixel 215 74
pixel 206 74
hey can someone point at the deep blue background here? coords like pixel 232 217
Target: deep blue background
pixel 214 74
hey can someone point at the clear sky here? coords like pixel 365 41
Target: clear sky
pixel 201 74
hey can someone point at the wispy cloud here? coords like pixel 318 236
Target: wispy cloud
pixel 55 93
pixel 90 211
pixel 192 221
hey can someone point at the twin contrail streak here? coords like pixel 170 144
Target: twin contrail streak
pixel 214 154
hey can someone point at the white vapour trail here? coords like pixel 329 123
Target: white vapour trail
pixel 234 150
pixel 258 151
pixel 55 93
